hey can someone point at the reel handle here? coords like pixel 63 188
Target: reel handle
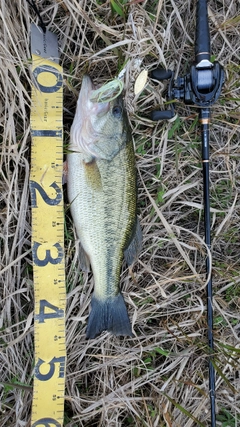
pixel 162 74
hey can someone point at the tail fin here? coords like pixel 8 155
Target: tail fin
pixel 108 315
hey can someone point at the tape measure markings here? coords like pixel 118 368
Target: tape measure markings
pixel 48 243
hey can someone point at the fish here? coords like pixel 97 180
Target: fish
pixel 102 193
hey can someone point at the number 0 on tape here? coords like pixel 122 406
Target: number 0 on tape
pixel 47 231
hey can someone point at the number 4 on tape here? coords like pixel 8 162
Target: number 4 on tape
pixel 47 231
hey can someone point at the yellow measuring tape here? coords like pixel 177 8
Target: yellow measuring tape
pixel 47 238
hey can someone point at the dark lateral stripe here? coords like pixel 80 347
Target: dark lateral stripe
pixel 54 133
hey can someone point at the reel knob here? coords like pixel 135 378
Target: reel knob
pixel 161 74
pixel 162 115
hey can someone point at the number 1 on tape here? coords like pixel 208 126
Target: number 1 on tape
pixel 47 231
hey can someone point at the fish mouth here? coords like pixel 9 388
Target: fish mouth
pixel 86 95
pixel 88 122
pixel 87 87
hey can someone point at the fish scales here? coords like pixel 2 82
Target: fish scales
pixel 102 195
pixel 104 218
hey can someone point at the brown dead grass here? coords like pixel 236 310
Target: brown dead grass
pixel 112 381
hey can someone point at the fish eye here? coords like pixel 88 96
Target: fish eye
pixel 117 111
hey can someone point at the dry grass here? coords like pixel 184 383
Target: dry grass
pixel 140 381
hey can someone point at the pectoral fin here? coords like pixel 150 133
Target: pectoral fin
pixel 135 245
pixel 92 175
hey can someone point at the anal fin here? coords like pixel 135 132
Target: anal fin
pixel 83 258
pixel 135 245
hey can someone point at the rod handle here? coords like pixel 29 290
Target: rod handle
pixel 202 42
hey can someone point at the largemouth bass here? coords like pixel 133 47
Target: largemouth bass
pixel 103 201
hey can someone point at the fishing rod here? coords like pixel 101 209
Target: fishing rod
pixel 201 87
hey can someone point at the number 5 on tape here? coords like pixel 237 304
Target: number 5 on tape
pixel 47 231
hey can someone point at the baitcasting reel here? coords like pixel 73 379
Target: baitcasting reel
pixel 202 86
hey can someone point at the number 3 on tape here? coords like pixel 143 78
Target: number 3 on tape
pixel 47 231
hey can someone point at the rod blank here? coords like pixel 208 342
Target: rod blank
pixel 202 41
